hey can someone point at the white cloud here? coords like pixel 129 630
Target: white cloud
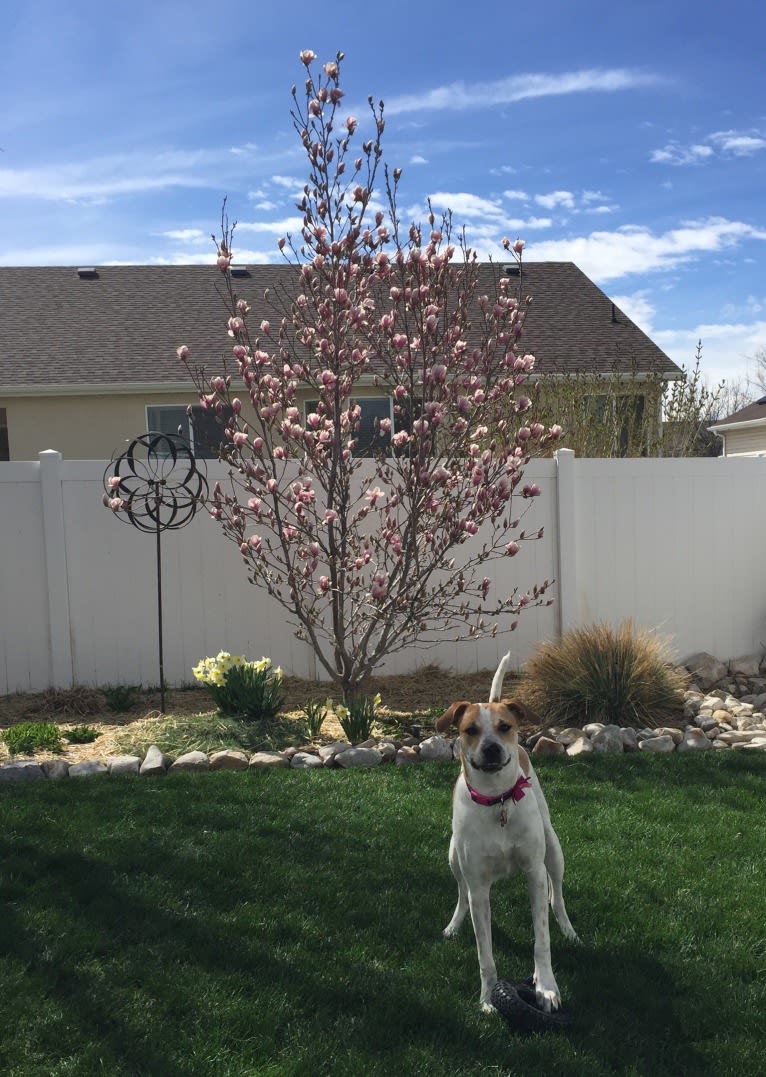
pixel 638 309
pixel 417 159
pixel 632 249
pixel 522 196
pixel 676 154
pixel 460 95
pixel 99 179
pixel 737 143
pixel 186 235
pixel 728 348
pixel 556 198
pixel 276 228
pixel 464 205
pixel 719 143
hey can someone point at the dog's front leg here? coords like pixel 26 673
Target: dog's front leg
pixel 478 897
pixel 547 991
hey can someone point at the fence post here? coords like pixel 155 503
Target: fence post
pixel 566 504
pixel 54 544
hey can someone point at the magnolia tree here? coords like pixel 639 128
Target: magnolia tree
pixel 371 553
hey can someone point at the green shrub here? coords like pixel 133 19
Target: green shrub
pixel 619 676
pixel 81 734
pixel 248 690
pixel 29 737
pixel 120 697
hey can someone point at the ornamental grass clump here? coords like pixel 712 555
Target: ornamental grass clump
pixel 247 690
pixel 620 676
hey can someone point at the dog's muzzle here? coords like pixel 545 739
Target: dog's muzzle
pixel 491 757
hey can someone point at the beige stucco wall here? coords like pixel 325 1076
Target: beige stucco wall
pixel 89 427
pixel 79 427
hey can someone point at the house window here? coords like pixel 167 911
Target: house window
pixel 5 453
pixel 369 439
pixel 203 432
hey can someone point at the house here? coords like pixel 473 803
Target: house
pixel 88 355
pixel 744 432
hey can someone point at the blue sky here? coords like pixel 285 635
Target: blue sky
pixel 628 138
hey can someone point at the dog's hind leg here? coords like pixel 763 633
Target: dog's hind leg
pixel 461 908
pixel 554 863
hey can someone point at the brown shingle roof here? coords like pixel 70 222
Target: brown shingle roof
pixel 750 412
pixel 123 326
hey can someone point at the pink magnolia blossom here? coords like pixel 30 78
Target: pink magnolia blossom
pixel 307 57
pixel 183 351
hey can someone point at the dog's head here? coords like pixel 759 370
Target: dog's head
pixel 489 732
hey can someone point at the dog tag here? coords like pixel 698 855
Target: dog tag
pixel 503 816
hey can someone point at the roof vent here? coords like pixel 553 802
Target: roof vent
pixel 513 269
pixel 87 273
pixel 239 271
pixel 762 400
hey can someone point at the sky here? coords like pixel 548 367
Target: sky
pixel 627 138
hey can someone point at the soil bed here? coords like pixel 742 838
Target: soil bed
pixel 418 697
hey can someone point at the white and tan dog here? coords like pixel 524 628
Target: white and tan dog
pixel 501 824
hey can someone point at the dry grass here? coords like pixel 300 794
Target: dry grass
pixel 622 676
pixel 418 696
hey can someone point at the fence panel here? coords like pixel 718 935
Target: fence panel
pixel 676 545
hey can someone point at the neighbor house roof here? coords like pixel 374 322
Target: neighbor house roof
pixel 752 414
pixel 118 327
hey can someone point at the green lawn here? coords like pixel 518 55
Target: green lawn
pixel 290 923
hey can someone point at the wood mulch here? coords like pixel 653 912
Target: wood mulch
pixel 403 697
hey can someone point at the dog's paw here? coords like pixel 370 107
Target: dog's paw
pixel 487 1007
pixel 548 997
pixel 451 931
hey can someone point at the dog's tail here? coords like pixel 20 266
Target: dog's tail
pixel 496 690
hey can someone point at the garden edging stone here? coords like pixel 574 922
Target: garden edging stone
pixel 726 714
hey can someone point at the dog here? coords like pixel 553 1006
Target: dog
pixel 501 824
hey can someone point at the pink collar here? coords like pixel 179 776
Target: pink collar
pixel 515 793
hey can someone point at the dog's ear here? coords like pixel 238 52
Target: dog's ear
pixel 451 716
pixel 521 712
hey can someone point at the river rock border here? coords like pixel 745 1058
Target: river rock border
pixel 724 708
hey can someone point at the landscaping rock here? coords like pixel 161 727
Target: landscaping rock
pixel 192 761
pixel 123 764
pixel 694 740
pixel 608 739
pixel 629 739
pixel 406 755
pixel 748 665
pixel 55 768
pixel 21 770
pixel 705 669
pixel 581 746
pixel 548 746
pixel 264 760
pixel 305 761
pixel 229 759
pixel 154 762
pixel 663 743
pixel 88 769
pixel 436 749
pixel 359 757
pixel 328 752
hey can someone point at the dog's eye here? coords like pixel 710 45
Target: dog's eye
pixel 472 730
pixel 503 727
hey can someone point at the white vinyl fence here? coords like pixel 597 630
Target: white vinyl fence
pixel 676 545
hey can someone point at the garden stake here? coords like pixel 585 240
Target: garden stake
pixel 157 486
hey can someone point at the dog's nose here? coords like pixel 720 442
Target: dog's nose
pixel 492 752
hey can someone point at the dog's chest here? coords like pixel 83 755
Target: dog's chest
pixel 497 843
